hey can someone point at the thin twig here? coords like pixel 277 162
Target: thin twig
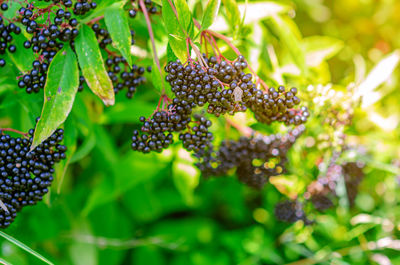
pixel 148 22
pixel 13 130
pixel 96 19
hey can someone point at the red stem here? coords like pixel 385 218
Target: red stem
pixel 95 20
pixel 148 22
pixel 13 130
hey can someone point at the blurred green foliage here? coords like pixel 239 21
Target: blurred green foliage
pixel 114 206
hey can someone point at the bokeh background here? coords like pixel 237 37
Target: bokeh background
pixel 114 206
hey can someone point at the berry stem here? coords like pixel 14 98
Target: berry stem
pixel 156 59
pixel 13 130
pixel 96 19
pixel 198 54
pixel 236 50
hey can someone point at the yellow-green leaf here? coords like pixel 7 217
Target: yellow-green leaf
pixel 211 13
pixel 92 65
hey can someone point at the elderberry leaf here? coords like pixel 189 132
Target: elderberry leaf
pixel 185 17
pixel 232 14
pixel 171 57
pixel 101 8
pixel 92 65
pixel 170 20
pixel 287 32
pixel 211 13
pixel 320 48
pixel 22 58
pixel 179 47
pixel 118 26
pixel 59 94
pixel 159 80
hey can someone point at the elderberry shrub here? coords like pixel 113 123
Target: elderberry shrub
pixel 49 35
pixel 6 38
pixel 123 77
pixel 25 176
pixel 256 158
pixel 225 87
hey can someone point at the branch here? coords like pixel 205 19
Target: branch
pixel 148 22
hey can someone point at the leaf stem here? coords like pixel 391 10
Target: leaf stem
pixel 148 22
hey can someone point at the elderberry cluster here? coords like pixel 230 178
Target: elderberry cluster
pixel 255 159
pixel 156 133
pixel 277 105
pixel 25 175
pixel 6 37
pixel 193 84
pixel 36 78
pixel 198 137
pixel 226 88
pixel 123 77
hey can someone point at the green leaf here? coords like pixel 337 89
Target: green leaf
pixel 186 176
pixel 59 94
pixel 70 140
pixel 320 48
pixel 176 37
pixel 288 37
pixel 170 20
pixel 185 17
pixel 126 112
pixel 92 65
pixel 101 8
pixel 22 58
pixel 232 13
pixel 24 247
pixel 211 13
pixel 118 26
pixel 121 180
pixel 158 81
pixel 179 47
pixel 170 54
